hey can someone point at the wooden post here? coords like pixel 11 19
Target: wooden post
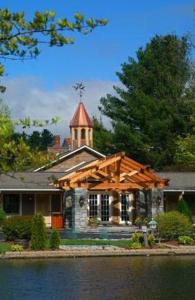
pixel 116 205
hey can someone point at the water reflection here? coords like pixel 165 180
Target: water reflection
pixel 138 278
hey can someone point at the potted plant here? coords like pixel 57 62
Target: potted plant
pixel 93 222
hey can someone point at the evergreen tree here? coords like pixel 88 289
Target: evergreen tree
pixel 46 139
pixel 102 138
pixel 183 208
pixel 54 240
pixel 152 109
pixel 39 237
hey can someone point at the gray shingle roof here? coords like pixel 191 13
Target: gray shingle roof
pixel 179 180
pixel 28 181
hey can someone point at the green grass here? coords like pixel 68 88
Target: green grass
pixel 4 247
pixel 77 242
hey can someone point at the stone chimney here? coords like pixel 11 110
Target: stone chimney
pixel 57 142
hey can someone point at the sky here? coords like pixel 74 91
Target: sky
pixel 42 88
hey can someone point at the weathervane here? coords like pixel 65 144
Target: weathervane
pixel 79 86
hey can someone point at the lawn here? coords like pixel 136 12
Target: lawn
pixel 4 247
pixel 118 243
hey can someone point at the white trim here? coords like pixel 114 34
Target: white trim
pixel 80 164
pixel 69 154
pixel 35 190
pixel 180 190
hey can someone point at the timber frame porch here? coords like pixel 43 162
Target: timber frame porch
pixel 115 175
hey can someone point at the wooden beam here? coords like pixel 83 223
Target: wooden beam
pixel 116 186
pixel 128 174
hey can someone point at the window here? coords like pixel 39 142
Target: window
pixel 11 203
pixel 105 208
pixel 76 134
pixel 28 204
pixel 124 207
pixel 56 203
pixel 83 134
pixel 93 206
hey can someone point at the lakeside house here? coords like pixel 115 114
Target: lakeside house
pixel 83 184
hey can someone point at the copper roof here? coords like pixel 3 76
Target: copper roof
pixel 81 117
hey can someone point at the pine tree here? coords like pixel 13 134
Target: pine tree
pixel 184 209
pixel 39 237
pixel 54 240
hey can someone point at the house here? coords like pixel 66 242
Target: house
pixel 181 185
pixel 83 183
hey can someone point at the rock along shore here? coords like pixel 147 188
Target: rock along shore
pixel 97 253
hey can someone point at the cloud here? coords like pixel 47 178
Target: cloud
pixel 26 97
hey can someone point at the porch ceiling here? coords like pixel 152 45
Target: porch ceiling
pixel 115 172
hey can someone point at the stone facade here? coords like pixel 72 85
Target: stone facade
pixel 157 202
pixel 76 212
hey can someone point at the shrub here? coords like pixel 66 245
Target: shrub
pixel 183 208
pixel 39 238
pixel 185 240
pixel 2 216
pixel 54 240
pixel 16 248
pixel 93 221
pixel 137 237
pixel 173 224
pixel 151 240
pixel 140 221
pixel 17 228
pixel 135 245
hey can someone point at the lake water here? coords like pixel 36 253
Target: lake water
pixel 136 278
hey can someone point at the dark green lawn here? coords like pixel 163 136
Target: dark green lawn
pixel 118 243
pixel 4 247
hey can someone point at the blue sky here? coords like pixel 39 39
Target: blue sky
pixel 42 88
pixel 99 55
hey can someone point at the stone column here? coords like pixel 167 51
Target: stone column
pixel 116 207
pixel 79 210
pixel 157 202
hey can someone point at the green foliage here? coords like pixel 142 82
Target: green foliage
pixel 40 140
pixel 39 237
pixel 173 224
pixel 17 228
pixel 185 152
pixel 183 208
pixel 153 109
pixel 54 240
pixel 4 247
pixel 16 248
pixel 2 216
pixel 93 221
pixel 141 221
pixel 137 237
pixel 15 153
pixel 185 240
pixel 151 240
pixel 21 38
pixel 135 245
pixel 102 137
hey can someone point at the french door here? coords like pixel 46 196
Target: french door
pixel 105 211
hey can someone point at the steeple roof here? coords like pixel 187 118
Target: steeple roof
pixel 81 117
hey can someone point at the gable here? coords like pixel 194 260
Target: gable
pixel 72 159
pixel 115 172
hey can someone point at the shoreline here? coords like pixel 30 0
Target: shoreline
pixel 98 253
